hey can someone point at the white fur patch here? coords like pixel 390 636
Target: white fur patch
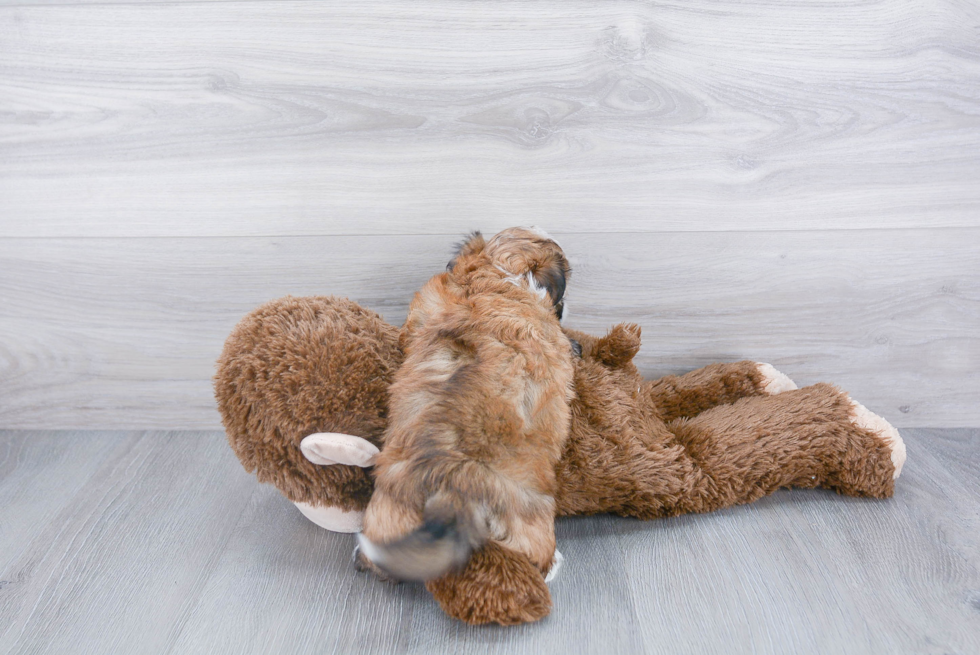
pixel 332 518
pixel 372 552
pixel 513 279
pixel 868 420
pixel 541 233
pixel 532 284
pixel 555 566
pixel 773 381
pixel 520 280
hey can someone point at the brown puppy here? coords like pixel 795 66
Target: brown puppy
pixel 479 412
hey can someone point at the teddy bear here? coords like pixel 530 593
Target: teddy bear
pixel 301 386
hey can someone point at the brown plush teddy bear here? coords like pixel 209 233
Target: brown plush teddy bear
pixel 302 389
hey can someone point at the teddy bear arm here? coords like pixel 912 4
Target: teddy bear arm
pixel 688 395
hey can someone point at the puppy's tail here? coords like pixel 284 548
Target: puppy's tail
pixel 444 541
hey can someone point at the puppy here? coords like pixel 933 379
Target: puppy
pixel 478 412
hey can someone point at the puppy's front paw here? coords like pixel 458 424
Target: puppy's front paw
pixel 556 564
pixel 773 381
pixel 363 565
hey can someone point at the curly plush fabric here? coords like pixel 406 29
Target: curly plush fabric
pixel 519 592
pixel 296 366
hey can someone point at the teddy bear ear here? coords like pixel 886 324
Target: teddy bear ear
pixel 471 245
pixel 328 448
pixel 619 346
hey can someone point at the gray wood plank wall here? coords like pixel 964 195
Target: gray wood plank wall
pixel 789 182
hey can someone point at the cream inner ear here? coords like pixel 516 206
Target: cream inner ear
pixel 328 448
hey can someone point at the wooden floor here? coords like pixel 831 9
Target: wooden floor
pixel 158 542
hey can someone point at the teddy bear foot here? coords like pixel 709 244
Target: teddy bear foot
pixel 773 381
pixel 865 419
pixel 332 518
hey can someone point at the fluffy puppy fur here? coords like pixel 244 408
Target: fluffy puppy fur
pixel 479 412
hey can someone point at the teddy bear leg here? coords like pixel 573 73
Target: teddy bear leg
pixel 498 585
pixel 718 384
pixel 816 436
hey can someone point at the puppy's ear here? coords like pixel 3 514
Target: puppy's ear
pixel 471 245
pixel 551 274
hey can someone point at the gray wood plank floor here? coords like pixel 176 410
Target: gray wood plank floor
pixel 141 542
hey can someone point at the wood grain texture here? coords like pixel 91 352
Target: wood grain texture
pixel 118 568
pixel 41 473
pixel 123 333
pixel 308 118
pixel 169 547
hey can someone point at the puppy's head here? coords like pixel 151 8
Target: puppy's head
pixel 520 252
pixel 531 253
